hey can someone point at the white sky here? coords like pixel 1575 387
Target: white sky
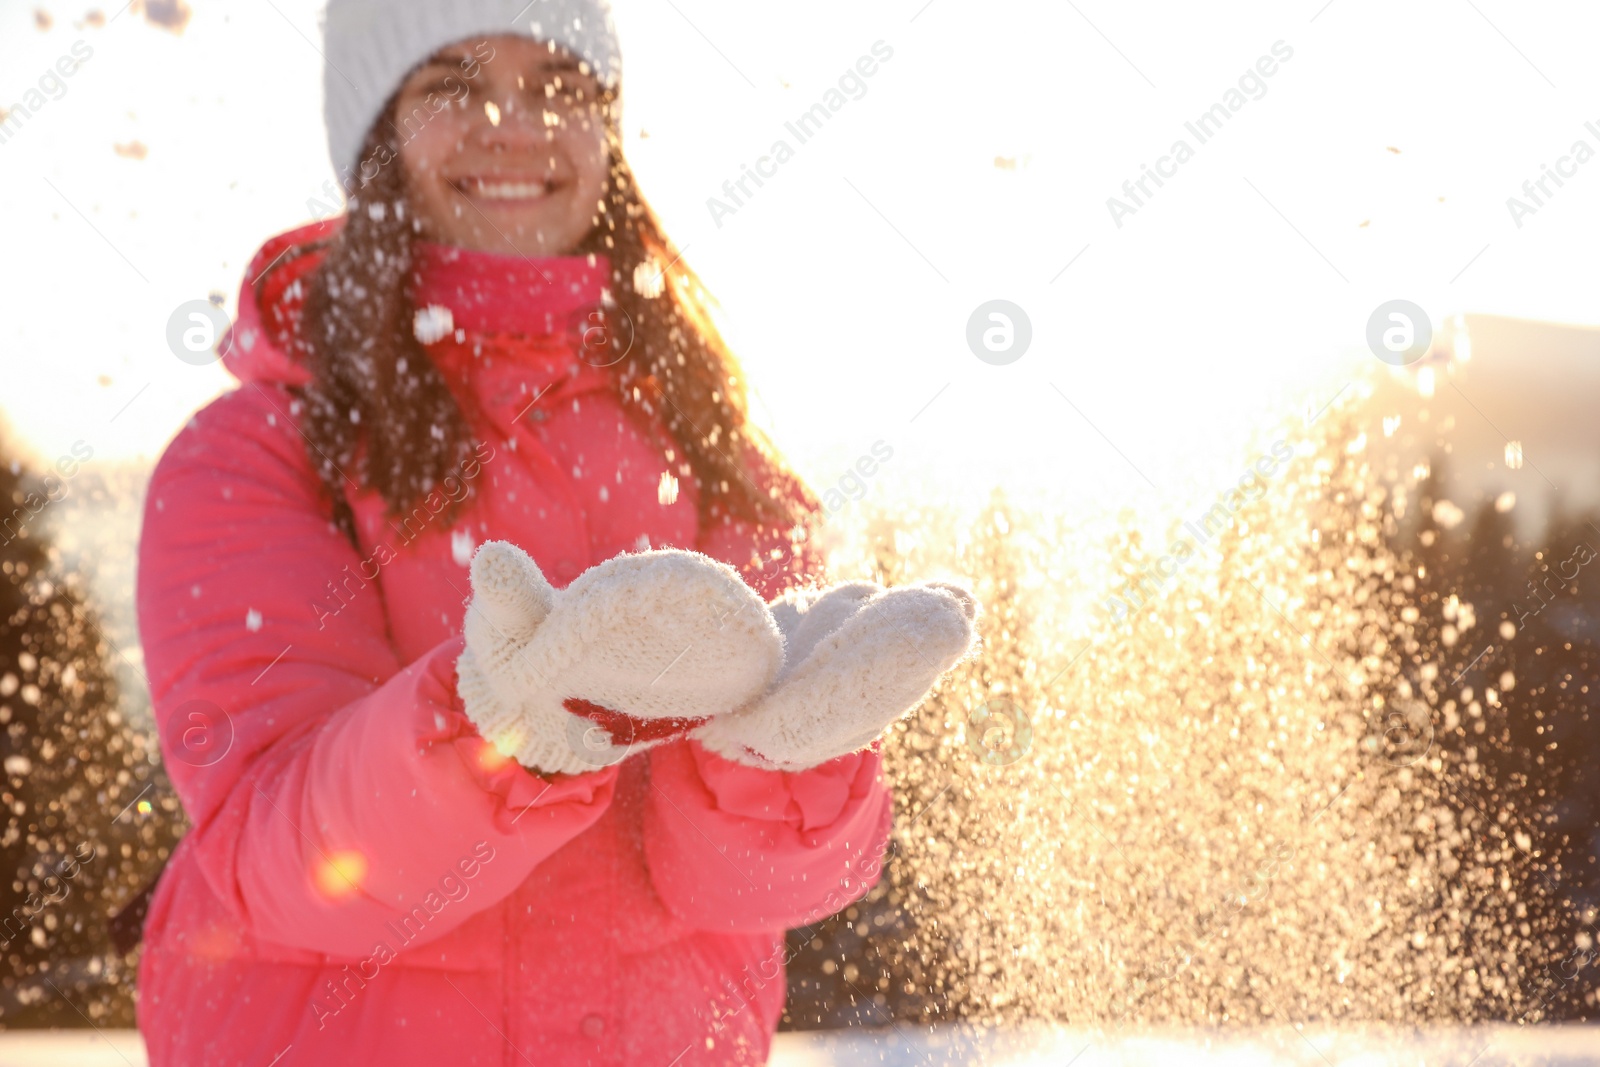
pixel 1236 297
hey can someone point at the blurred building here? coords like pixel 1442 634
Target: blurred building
pixel 1511 404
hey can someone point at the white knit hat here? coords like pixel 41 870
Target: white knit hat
pixel 370 45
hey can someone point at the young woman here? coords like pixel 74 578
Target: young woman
pixel 491 755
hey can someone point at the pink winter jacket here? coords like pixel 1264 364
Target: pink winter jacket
pixel 366 880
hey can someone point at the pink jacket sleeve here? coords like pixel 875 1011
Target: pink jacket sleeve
pixel 351 783
pixel 736 849
pixel 733 848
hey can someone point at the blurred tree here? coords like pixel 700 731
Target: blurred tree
pixel 78 784
pixel 1521 743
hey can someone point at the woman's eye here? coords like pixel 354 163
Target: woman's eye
pixel 566 91
pixel 441 86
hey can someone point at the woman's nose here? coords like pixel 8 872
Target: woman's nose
pixel 507 123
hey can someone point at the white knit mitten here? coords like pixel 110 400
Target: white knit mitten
pixel 856 658
pixel 636 651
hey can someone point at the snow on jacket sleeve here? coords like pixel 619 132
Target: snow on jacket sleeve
pixel 734 848
pixel 352 783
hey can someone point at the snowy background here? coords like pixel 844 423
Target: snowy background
pixel 977 166
pixel 1376 166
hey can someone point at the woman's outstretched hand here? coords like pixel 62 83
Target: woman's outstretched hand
pixel 857 657
pixel 636 651
pixel 648 647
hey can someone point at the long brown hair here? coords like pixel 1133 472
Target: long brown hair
pixel 374 383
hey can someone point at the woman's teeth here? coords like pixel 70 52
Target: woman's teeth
pixel 504 190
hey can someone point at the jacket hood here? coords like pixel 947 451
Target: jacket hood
pixel 262 345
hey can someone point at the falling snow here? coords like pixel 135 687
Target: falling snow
pixel 1213 818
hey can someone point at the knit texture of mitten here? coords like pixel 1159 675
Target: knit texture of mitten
pixel 636 651
pixel 857 657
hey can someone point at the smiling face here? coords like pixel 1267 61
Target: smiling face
pixel 503 146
